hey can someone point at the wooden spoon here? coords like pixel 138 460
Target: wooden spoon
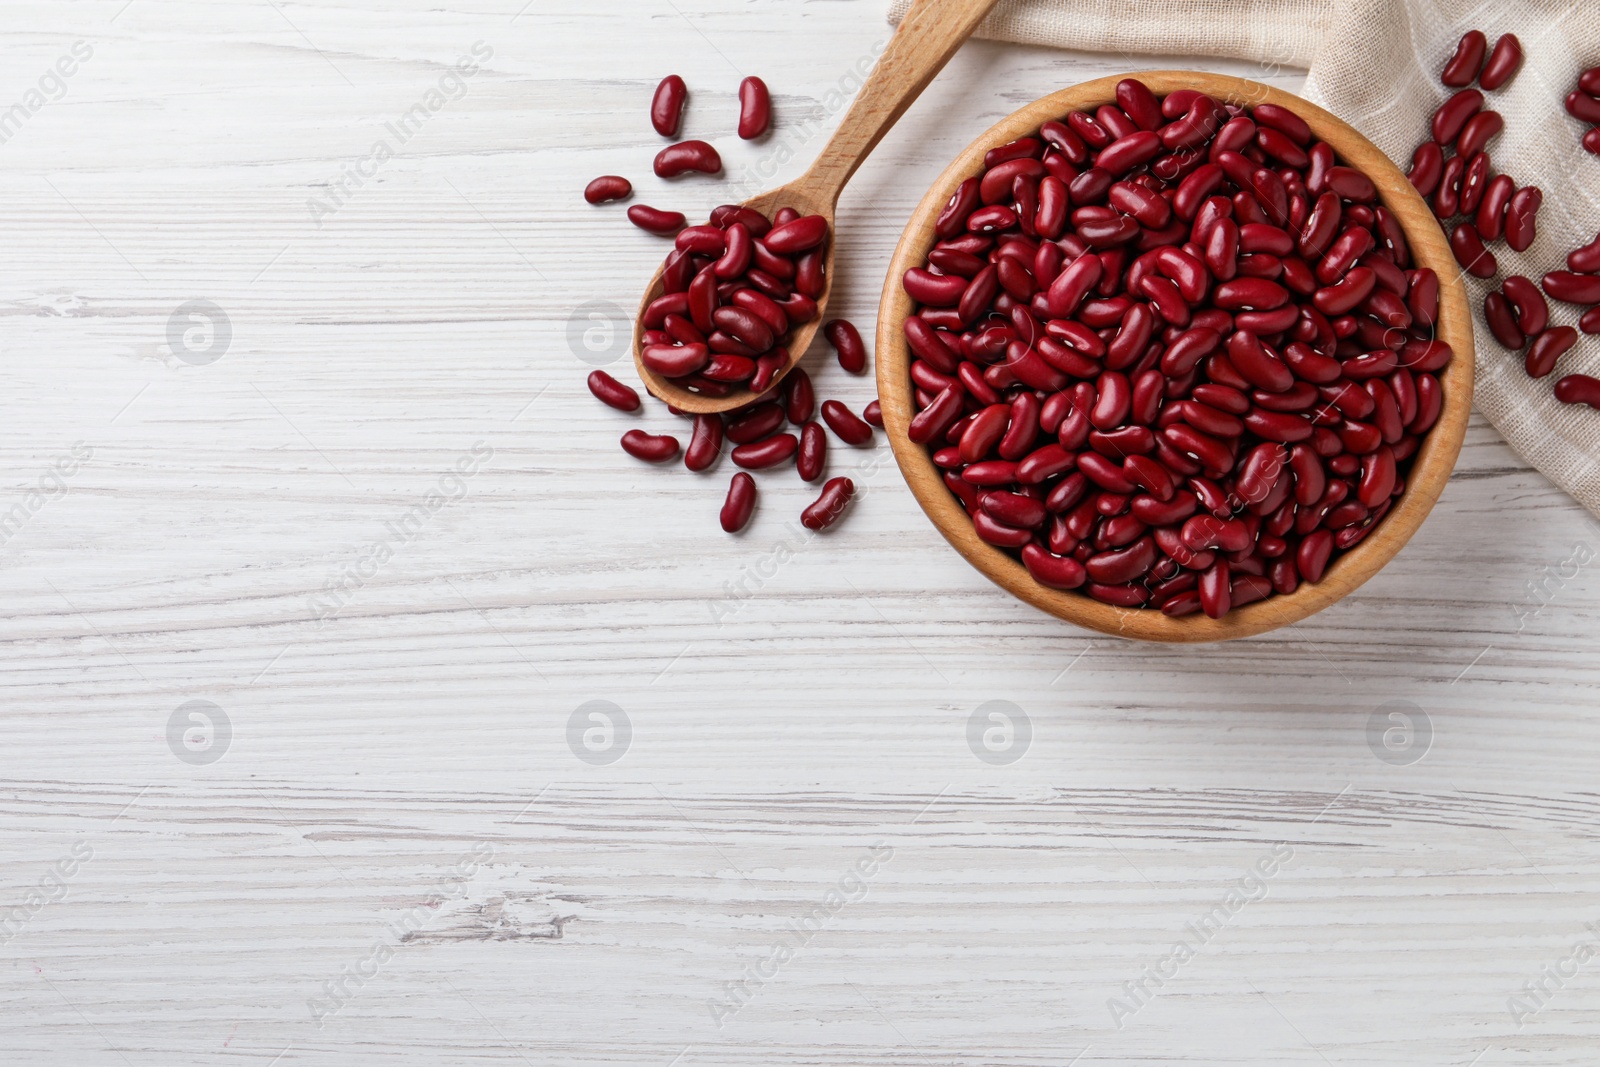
pixel 926 40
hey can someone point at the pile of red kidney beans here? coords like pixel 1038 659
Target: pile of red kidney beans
pixel 733 290
pixel 1491 207
pixel 1173 353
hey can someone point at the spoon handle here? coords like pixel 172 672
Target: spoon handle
pixel 927 38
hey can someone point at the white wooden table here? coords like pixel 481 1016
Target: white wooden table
pixel 390 852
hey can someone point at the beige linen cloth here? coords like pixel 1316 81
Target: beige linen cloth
pixel 1375 64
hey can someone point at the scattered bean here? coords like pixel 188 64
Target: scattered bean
pixel 1579 389
pixel 606 188
pixel 651 447
pixel 666 108
pixel 1504 60
pixel 655 220
pixel 846 342
pixel 611 392
pixel 755 108
pixel 1463 67
pixel 676 159
pixel 740 504
pixel 830 505
pixel 1547 348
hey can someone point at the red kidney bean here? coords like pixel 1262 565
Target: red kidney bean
pixel 1139 104
pixel 1462 68
pixel 829 506
pixel 676 159
pixel 1037 466
pixel 983 433
pixel 1591 141
pixel 1470 253
pixel 1548 347
pixel 1473 181
pixel 666 108
pixel 998 533
pixel 1351 184
pixel 873 415
pixel 1573 288
pixel 1122 565
pixel 935 290
pixel 1311 558
pixel 1585 260
pixel 705 443
pixel 1278 426
pixel 1491 220
pixel 702 240
pixel 1377 477
pixel 992 472
pixel 1258 366
pixel 808 278
pixel 1284 121
pixel 675 361
pixel 1057 572
pixel 1504 59
pixel 768 452
pixel 1497 313
pixel 1447 198
pixel 1214 590
pixel 1088 130
pixel 1128 152
pixel 852 431
pixel 651 447
pixel 736 259
pixel 1345 294
pixel 1589 322
pixel 611 392
pixel 606 188
pixel 1589 81
pixel 1583 106
pixel 953 219
pixel 797 235
pixel 655 220
pixel 1013 509
pixel 799 398
pixel 755 108
pixel 764 307
pixel 1427 165
pixel 1253 293
pixel 813 452
pixel 1533 314
pixel 1022 427
pixel 1522 217
pixel 744 325
pixel 1351 245
pixel 740 503
pixel 1023 147
pixel 846 342
pixel 1579 389
pixel 755 423
pixel 1478 132
pixel 1454 113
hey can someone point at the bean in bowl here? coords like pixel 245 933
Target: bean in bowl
pixel 1174 354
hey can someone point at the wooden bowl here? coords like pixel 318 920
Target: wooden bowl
pixel 1430 467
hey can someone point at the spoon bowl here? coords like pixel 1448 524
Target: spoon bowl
pixel 927 38
pixel 802 194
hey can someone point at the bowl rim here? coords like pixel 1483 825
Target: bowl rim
pixel 1431 467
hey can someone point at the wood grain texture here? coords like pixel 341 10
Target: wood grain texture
pixel 1425 479
pixel 786 717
